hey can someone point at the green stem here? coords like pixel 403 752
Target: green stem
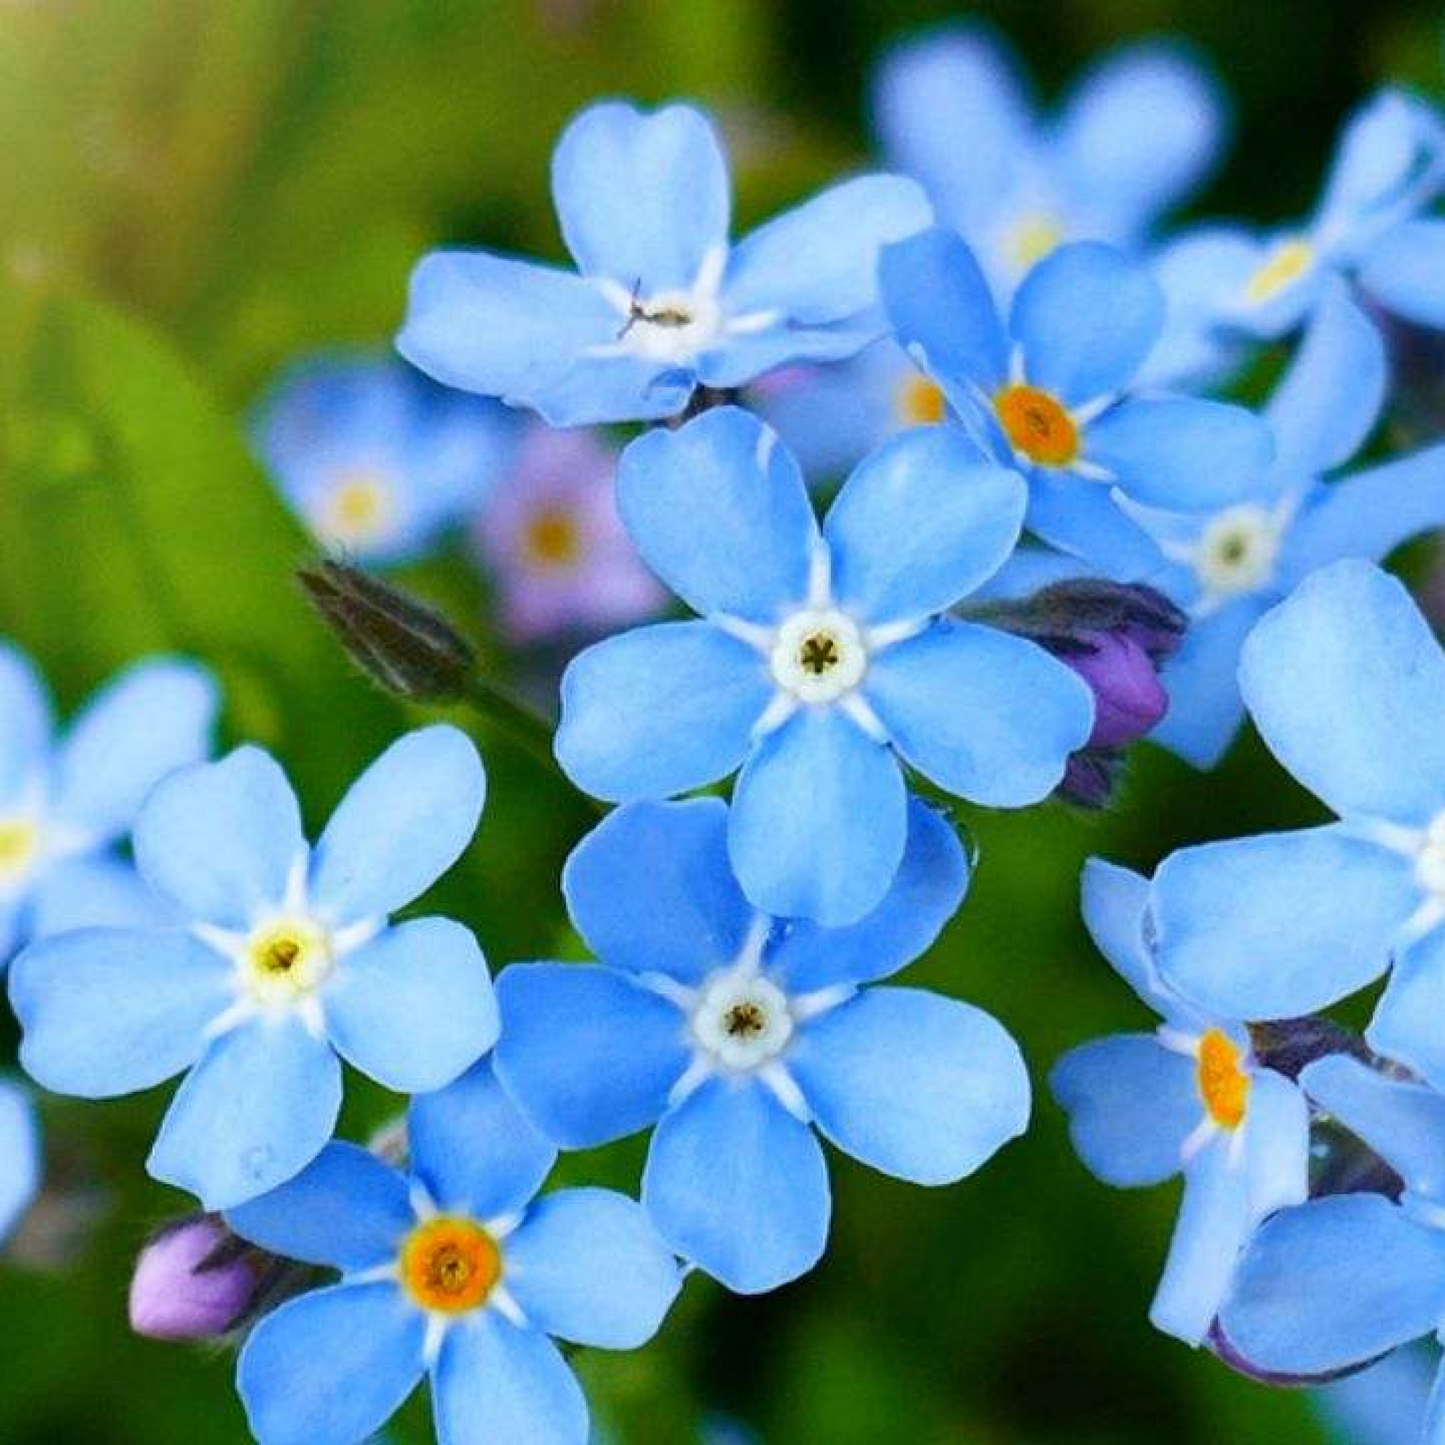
pixel 519 723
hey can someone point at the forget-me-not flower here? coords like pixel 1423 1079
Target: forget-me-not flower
pixel 1052 390
pixel 661 302
pixel 1190 1098
pixel 375 458
pixel 1134 139
pixel 1346 684
pixel 452 1271
pixel 820 664
pixel 20 1162
pixel 737 1035
pixel 67 802
pixel 1344 1279
pixel 283 959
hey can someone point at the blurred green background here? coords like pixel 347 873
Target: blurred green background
pixel 192 192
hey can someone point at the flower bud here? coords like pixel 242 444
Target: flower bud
pixel 402 644
pixel 1090 777
pixel 1128 696
pixel 194 1280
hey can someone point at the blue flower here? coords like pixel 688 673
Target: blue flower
pixel 452 1271
pixel 1188 1098
pixel 1052 391
pixel 20 1165
pixel 1346 684
pixel 376 459
pixel 1369 226
pixel 1134 139
pixel 1384 1405
pixel 737 1034
pixel 1344 1279
pixel 285 961
pixel 66 803
pixel 821 663
pixel 660 302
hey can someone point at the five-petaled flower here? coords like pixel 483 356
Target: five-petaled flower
pixel 282 959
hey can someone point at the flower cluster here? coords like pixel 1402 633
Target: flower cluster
pixel 1045 542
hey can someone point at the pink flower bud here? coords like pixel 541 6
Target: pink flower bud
pixel 193 1281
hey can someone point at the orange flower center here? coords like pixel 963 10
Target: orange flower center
pixel 1037 425
pixel 920 401
pixel 553 538
pixel 1224 1085
pixel 451 1265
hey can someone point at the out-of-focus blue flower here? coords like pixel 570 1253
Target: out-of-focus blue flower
pixel 376 459
pixel 67 802
pixel 821 663
pixel 660 302
pixel 1229 565
pixel 738 1034
pixel 1384 1405
pixel 1188 1098
pixel 20 1156
pixel 454 1272
pixel 1346 684
pixel 1369 226
pixel 1135 138
pixel 1344 1279
pixel 1051 391
pixel 286 961
pixel 553 542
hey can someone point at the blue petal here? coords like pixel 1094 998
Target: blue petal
pixel 219 841
pixel 641 196
pixel 719 511
pixel 659 710
pixel 401 825
pixel 818 262
pixel 1181 453
pixel 925 894
pixel 111 1011
pixel 495 1384
pixel 1276 1143
pixel 20 1162
pixel 1369 513
pixel 258 1107
pixel 1405 272
pixel 920 524
pixel 1214 1225
pixel 818 821
pixel 25 721
pixel 330 1367
pixel 1334 1283
pixel 589 1054
pixel 943 312
pixel 1385 1404
pixel 1086 317
pixel 651 890
pixel 1403 1122
pixel 94 892
pixel 413 1008
pixel 474 1150
pixel 922 1087
pixel 1406 1025
pixel 1329 400
pixel 1279 925
pixel 153 718
pixel 346 1210
pixel 738 1186
pixel 1131 1103
pixel 1081 517
pixel 1139 133
pixel 1199 270
pixel 1205 708
pixel 589 1267
pixel 985 715
pixel 525 333
pixel 742 357
pixel 1115 902
pixel 1347 686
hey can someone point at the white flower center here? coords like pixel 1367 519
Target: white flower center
pixel 285 959
pixel 742 1022
pixel 359 507
pixel 1237 552
pixel 19 848
pixel 818 655
pixel 1430 860
pixel 672 326
pixel 1288 261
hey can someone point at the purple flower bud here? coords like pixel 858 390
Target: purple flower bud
pixel 1129 699
pixel 193 1281
pixel 1090 776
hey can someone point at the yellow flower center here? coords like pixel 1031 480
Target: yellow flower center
pixel 920 402
pixel 553 539
pixel 1038 425
pixel 1223 1084
pixel 1284 266
pixel 1033 237
pixel 287 958
pixel 450 1264
pixel 19 843
pixel 358 508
